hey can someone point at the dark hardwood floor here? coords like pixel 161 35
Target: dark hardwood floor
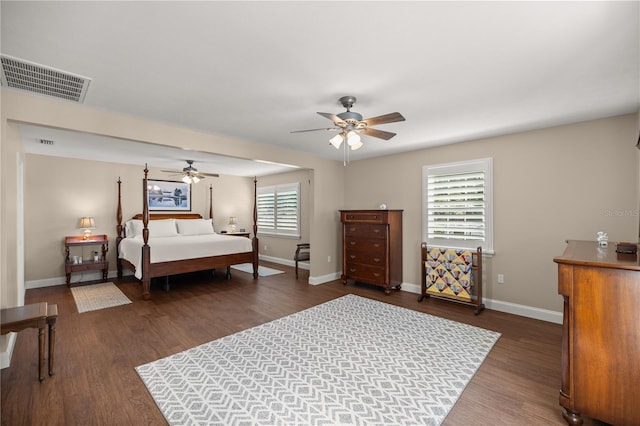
pixel 96 352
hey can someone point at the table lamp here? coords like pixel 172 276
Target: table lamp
pixel 87 224
pixel 233 221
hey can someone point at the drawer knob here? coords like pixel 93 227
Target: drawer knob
pixel 353 243
pixel 376 259
pixel 376 245
pixel 376 230
pixel 352 269
pixel 352 256
pixel 375 274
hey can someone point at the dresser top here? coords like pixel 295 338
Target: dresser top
pixel 371 211
pixel 588 253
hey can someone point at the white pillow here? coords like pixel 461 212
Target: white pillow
pixel 162 228
pixel 132 228
pixel 194 226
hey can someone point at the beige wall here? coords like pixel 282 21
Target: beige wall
pixel 550 185
pixel 18 107
pixel 58 191
pixel 284 248
pixel 9 276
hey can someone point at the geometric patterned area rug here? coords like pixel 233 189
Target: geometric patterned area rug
pixel 98 296
pixel 348 361
pixel 263 271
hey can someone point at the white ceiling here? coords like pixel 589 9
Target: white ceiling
pixel 258 70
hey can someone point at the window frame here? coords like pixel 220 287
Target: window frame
pixel 484 165
pixel 273 190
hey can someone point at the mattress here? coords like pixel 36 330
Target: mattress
pixel 180 247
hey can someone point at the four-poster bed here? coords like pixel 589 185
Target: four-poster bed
pixel 186 243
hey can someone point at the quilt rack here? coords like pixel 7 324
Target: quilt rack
pixel 452 274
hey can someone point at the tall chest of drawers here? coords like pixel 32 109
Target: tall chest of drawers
pixel 372 247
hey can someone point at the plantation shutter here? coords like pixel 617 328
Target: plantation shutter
pixel 279 209
pixel 287 211
pixel 458 205
pixel 266 209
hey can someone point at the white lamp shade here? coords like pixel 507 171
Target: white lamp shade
pixel 195 179
pixel 87 223
pixel 336 141
pixel 186 179
pixel 233 220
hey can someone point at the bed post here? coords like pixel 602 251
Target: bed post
pixel 146 254
pixel 119 229
pixel 256 245
pixel 211 203
pixel 479 304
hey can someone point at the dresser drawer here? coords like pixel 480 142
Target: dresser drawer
pixel 373 246
pixel 366 257
pixel 365 230
pixel 364 216
pixel 366 273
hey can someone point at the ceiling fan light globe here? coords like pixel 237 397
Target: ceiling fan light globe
pixel 336 141
pixel 353 139
pixel 356 145
pixel 186 179
pixel 195 179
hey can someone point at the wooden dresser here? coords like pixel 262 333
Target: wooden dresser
pixel 601 334
pixel 372 247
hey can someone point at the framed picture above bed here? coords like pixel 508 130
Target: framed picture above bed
pixel 168 195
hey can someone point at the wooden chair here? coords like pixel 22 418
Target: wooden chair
pixel 302 254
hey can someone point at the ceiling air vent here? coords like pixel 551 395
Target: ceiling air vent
pixel 25 75
pixel 46 142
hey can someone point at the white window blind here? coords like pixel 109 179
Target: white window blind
pixel 279 209
pixel 457 205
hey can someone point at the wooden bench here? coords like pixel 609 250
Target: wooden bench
pixel 37 315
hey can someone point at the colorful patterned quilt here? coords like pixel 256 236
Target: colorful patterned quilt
pixel 449 272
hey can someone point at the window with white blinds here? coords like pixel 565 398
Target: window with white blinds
pixel 458 204
pixel 279 209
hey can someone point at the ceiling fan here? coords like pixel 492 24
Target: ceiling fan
pixel 190 174
pixel 350 125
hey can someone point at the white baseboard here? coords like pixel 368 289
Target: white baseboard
pixel 75 278
pixel 303 265
pixel 496 305
pixel 5 356
pixel 508 307
pixel 524 311
pixel 322 279
pixel 286 262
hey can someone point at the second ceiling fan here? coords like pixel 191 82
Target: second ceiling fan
pixel 350 125
pixel 190 174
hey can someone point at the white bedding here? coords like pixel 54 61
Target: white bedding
pixel 165 249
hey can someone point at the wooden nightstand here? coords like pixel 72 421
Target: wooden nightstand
pixel 101 264
pixel 238 234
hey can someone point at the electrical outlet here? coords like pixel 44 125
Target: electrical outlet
pixel 265 247
pixel 500 278
pixel 329 259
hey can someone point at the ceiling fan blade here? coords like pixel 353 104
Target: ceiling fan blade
pixel 209 174
pixel 334 118
pixel 313 130
pixel 171 171
pixel 378 133
pixel 384 119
